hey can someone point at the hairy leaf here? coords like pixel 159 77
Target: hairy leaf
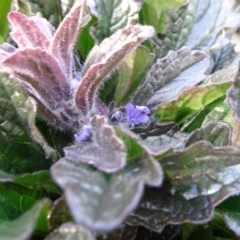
pixel 104 58
pixel 26 109
pixel 170 76
pixel 196 181
pixel 153 12
pixel 42 71
pixel 100 201
pixel 186 105
pixel 35 32
pixel 17 148
pixel 23 227
pixel 131 74
pixel 65 37
pixel 107 152
pixel 70 231
pixel 5 8
pixel 113 15
pixel 218 133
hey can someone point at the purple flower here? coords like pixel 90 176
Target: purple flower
pixel 74 83
pixel 84 135
pixel 136 114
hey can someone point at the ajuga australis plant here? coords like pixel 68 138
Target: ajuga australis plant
pixel 121 123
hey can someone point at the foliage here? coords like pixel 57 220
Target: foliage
pixel 119 120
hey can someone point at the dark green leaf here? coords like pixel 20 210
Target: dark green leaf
pixel 39 180
pixel 231 212
pixel 218 133
pixel 196 180
pixel 16 200
pixel 85 41
pixel 23 227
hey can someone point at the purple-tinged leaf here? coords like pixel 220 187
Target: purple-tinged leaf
pixel 104 58
pixel 218 133
pixel 42 71
pixel 102 201
pixel 70 231
pixel 65 37
pixel 196 181
pixel 107 152
pixel 27 33
pixel 170 76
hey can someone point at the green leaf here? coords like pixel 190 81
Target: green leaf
pixel 23 227
pixel 187 105
pixel 39 180
pixel 153 12
pixel 59 214
pixel 217 110
pixel 71 231
pixel 131 74
pixel 4 10
pixel 218 133
pixel 231 212
pixel 85 41
pixel 18 152
pixel 17 199
pixel 196 180
pixel 102 201
pixel 134 148
pixel 113 15
pixel 178 25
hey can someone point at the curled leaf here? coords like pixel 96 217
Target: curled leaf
pixel 100 201
pixel 104 58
